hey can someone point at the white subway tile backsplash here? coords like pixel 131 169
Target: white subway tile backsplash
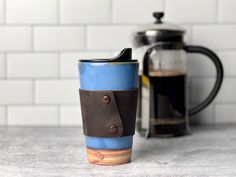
pixel 16 92
pixel 206 116
pixel 69 61
pixel 200 89
pixel 84 11
pixel 33 65
pixel 225 113
pixel 32 11
pixel 2 11
pixel 228 59
pixel 215 36
pixel 135 11
pixel 33 115
pixel 109 37
pixel 63 38
pixel 15 38
pixel 2 66
pixel 227 91
pixel 70 115
pixel 191 11
pixel 188 33
pixel 227 11
pixel 2 116
pixel 57 91
pixel 200 65
pixel 41 42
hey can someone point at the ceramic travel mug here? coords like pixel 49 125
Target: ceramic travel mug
pixel 108 95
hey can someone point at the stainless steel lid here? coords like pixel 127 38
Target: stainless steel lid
pixel 157 32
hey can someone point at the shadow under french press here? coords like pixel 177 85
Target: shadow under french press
pixel 147 148
pixel 174 149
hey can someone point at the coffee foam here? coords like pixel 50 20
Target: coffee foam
pixel 166 73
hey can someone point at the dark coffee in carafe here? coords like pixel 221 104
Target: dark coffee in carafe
pixel 163 99
pixel 167 102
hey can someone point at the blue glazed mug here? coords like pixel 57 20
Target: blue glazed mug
pixel 117 74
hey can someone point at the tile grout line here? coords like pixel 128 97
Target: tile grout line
pixel 6 79
pixel 32 38
pixel 217 102
pixel 110 24
pixel 217 18
pixel 111 11
pixel 95 50
pixel 33 92
pixel 83 24
pixel 6 121
pixel 206 77
pixel 76 104
pixel 6 115
pixel 42 104
pixel 4 12
pixel 5 65
pixel 42 79
pixel 59 65
pixel 58 115
pixel 164 6
pixel 191 34
pixel 59 12
pixel 86 38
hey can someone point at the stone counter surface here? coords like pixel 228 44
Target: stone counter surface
pixel 59 152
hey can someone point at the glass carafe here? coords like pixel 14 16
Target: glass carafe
pixel 163 103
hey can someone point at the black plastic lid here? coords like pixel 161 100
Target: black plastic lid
pixel 124 56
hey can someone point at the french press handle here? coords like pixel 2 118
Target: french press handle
pixel 195 49
pixel 219 76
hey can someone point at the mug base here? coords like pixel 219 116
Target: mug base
pixel 109 157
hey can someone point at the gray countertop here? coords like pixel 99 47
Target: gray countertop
pixel 59 152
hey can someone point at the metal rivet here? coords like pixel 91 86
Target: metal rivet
pixel 113 129
pixel 106 99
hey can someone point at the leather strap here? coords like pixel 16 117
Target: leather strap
pixel 108 113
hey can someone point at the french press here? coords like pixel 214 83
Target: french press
pixel 163 103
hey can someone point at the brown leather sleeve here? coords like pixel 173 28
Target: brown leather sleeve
pixel 108 113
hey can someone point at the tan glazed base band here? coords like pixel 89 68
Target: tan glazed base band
pixel 109 157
